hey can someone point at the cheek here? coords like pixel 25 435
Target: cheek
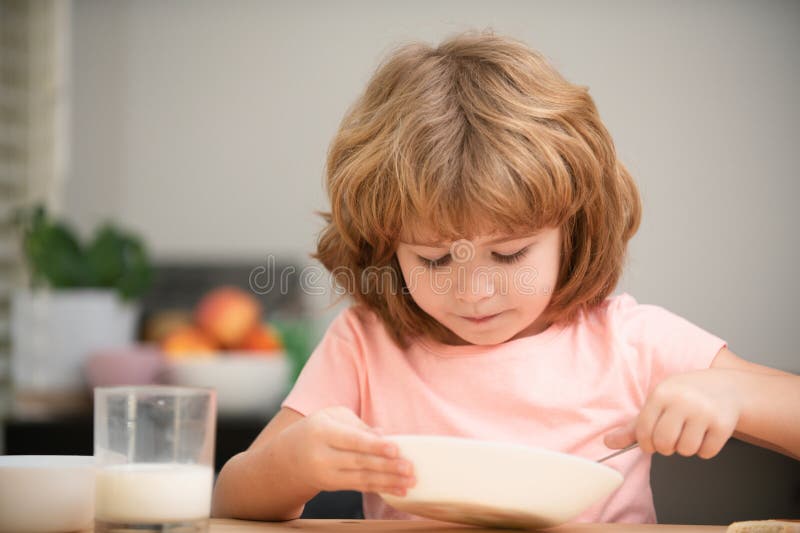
pixel 420 290
pixel 421 286
pixel 415 276
pixel 535 278
pixel 550 271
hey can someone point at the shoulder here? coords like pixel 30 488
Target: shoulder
pixel 359 324
pixel 356 318
pixel 621 315
pixel 648 324
pixel 624 309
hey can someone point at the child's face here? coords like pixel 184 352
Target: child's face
pixel 508 279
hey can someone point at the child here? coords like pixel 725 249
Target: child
pixel 480 220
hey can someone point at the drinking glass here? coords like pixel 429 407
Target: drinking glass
pixel 154 452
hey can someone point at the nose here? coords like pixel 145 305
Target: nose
pixel 474 284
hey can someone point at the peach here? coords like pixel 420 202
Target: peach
pixel 227 314
pixel 186 341
pixel 162 323
pixel 262 338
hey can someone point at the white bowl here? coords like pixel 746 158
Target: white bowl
pixel 46 493
pixel 246 384
pixel 498 484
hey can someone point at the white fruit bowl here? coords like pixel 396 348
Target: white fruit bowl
pixel 246 383
pixel 498 484
pixel 43 493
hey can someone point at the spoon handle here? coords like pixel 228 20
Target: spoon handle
pixel 616 453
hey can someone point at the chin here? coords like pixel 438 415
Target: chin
pixel 489 339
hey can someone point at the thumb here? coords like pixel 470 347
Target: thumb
pixel 346 417
pixel 622 436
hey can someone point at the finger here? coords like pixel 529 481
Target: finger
pixel 347 460
pixel 621 437
pixel 667 431
pixel 369 481
pixel 349 438
pixel 713 442
pixel 691 438
pixel 645 425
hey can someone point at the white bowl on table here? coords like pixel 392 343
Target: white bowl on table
pixel 44 493
pixel 247 383
pixel 498 484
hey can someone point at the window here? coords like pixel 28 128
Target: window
pixel 33 132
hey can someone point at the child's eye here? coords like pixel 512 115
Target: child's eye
pixel 513 258
pixel 433 263
pixel 500 258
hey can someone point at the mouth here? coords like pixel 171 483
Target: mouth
pixel 480 319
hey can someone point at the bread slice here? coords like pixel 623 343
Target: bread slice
pixel 765 526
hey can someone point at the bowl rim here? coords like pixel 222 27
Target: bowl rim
pixel 474 442
pixel 217 358
pixel 46 461
pixel 225 354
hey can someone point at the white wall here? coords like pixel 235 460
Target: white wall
pixel 204 125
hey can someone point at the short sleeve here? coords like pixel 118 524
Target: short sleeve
pixel 661 342
pixel 331 376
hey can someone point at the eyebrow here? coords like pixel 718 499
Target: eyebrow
pixel 495 241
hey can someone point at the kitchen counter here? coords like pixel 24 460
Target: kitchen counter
pixel 345 526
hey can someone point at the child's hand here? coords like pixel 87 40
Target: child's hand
pixel 335 450
pixel 691 413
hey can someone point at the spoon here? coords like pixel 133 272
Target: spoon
pixel 616 453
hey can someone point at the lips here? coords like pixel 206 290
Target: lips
pixel 480 319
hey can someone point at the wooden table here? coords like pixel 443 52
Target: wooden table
pixel 345 526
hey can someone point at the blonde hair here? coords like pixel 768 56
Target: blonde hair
pixel 478 135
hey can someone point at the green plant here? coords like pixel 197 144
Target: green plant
pixel 298 337
pixel 55 257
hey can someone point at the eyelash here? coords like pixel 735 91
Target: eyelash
pixel 505 259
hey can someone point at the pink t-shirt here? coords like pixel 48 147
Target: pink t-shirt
pixel 562 389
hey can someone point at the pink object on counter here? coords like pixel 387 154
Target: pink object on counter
pixel 129 365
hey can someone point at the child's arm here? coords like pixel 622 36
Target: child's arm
pixel 295 457
pixel 777 396
pixel 697 412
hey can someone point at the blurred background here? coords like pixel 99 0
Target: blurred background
pixel 199 130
